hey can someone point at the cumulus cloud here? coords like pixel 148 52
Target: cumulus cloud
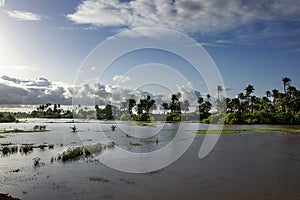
pixel 121 79
pixel 40 91
pixel 2 3
pixel 23 15
pixel 189 93
pixel 183 15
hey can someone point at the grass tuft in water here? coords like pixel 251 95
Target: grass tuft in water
pixel 71 154
pixel 135 144
pixel 83 152
pixel 27 148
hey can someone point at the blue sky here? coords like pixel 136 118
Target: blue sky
pixel 252 42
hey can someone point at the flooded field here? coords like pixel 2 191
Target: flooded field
pixel 246 165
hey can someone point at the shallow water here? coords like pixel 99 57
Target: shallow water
pixel 241 165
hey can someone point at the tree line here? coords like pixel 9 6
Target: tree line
pixel 274 107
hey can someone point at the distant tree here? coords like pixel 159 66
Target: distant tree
pixel 145 105
pixel 268 93
pixel 185 106
pixel 249 89
pixel 208 97
pixel 174 105
pixel 164 107
pixel 286 81
pixel 108 112
pixel 219 90
pixel 204 108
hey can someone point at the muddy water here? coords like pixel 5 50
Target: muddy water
pixel 241 166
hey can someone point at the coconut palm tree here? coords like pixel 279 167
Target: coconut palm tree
pixel 286 81
pixel 185 106
pixel 275 95
pixel 268 93
pixel 219 90
pixel 249 89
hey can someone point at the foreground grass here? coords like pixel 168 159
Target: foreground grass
pixel 83 152
pixel 259 130
pixel 22 131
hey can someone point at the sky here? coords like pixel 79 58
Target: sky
pixel 44 43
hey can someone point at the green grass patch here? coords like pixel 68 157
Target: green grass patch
pixel 135 144
pixel 27 148
pixel 98 178
pixel 139 123
pixel 83 152
pixel 71 154
pixel 259 130
pixel 22 131
pixel 148 141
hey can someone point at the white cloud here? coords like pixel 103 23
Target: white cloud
pixel 27 91
pixel 183 15
pixel 23 15
pixel 121 79
pixel 41 91
pixel 2 3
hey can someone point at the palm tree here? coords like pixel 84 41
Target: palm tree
pixel 185 106
pixel 249 89
pixel 275 95
pixel 268 94
pixel 164 107
pixel 131 104
pixel 208 97
pixel 145 105
pixel 241 96
pixel 235 104
pixel 219 90
pixel 174 105
pixel 286 81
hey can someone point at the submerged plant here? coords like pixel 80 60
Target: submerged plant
pixel 74 129
pixel 9 149
pixel 26 148
pixel 83 152
pixel 36 162
pixel 71 154
pixel 113 127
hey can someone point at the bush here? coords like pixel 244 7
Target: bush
pixel 173 117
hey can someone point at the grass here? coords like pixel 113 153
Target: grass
pixel 259 130
pixel 26 148
pixel 98 178
pixel 71 154
pixel 135 144
pixel 139 123
pixel 83 152
pixel 148 141
pixel 92 149
pixel 9 150
pixel 22 131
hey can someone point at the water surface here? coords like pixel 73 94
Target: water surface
pixel 244 165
